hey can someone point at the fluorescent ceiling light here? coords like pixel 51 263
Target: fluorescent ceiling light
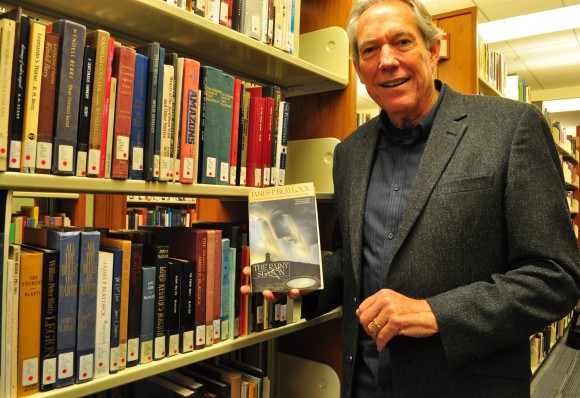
pixel 531 24
pixel 563 105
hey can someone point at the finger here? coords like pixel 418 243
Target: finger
pixel 294 294
pixel 246 271
pixel 245 289
pixel 270 296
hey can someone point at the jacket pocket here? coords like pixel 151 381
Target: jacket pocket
pixel 464 185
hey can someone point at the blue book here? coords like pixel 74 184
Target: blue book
pixel 147 314
pixel 158 117
pixel 137 141
pixel 115 354
pixel 232 325
pixel 157 255
pixel 68 245
pixel 87 305
pixel 225 291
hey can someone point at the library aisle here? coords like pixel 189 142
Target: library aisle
pixel 559 376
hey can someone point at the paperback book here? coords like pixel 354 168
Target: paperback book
pixel 284 239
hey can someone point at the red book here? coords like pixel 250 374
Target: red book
pixel 255 142
pixel 124 70
pixel 103 158
pixel 217 287
pixel 47 100
pixel 235 131
pixel 267 140
pixel 189 135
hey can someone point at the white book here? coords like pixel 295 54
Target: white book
pixel 177 117
pixel 12 294
pixel 7 33
pixel 252 19
pixel 213 11
pixel 165 150
pixel 103 321
pixel 110 129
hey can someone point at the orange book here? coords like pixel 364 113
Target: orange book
pixel 189 134
pixel 30 304
pixel 125 245
pixel 124 70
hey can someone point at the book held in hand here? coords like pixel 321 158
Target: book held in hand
pixel 284 239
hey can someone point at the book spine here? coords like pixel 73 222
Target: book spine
pixel 199 7
pixel 134 311
pixel 210 287
pixel 255 142
pixel 217 286
pixel 156 143
pixel 99 40
pixel 72 37
pixel 8 29
pixel 166 127
pixel 108 108
pixel 30 304
pixel 225 290
pixel 218 90
pixel 68 245
pixel 85 111
pixel 18 86
pixel 114 355
pixel 283 146
pixel 124 71
pixel 49 322
pixel 12 295
pixel 137 141
pixel 87 306
pixel 267 140
pixel 103 319
pixel 172 308
pixel 187 297
pixel 107 146
pixel 32 97
pixel 147 315
pixel 233 320
pixel 47 102
pixel 177 118
pixel 241 177
pixel 236 103
pixel 200 289
pixel 189 122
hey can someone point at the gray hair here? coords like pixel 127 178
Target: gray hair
pixel 431 33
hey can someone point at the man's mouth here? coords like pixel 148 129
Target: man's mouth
pixel 395 83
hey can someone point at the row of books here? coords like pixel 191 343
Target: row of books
pixel 86 303
pixel 541 343
pixel 161 216
pixel 77 102
pixel 272 22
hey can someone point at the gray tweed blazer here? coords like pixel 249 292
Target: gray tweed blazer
pixel 486 238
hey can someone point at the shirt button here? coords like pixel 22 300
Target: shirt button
pixel 391 235
pixel 350 359
pixel 396 187
pixel 354 299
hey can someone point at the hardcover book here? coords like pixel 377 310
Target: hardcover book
pixel 12 295
pixel 103 320
pixel 85 111
pixel 189 134
pixel 137 141
pixel 172 309
pixel 285 249
pixel 7 30
pixel 147 314
pixel 134 310
pixel 114 353
pixel 71 54
pixel 186 303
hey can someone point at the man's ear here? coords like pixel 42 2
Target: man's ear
pixel 434 51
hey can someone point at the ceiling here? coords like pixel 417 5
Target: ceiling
pixel 550 63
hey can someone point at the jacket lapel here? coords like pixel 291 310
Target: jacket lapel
pixel 444 137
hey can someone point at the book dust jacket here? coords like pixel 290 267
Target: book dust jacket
pixel 285 248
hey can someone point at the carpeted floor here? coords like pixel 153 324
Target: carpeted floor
pixel 559 375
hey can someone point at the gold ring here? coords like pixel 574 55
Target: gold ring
pixel 376 326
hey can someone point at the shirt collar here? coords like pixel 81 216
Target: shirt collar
pixel 418 133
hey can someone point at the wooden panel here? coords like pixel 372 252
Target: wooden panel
pixel 75 209
pixel 460 70
pixel 110 211
pixel 216 210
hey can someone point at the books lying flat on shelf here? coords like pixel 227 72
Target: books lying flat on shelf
pixel 284 238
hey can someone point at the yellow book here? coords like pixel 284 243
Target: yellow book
pixel 30 303
pixel 7 32
pixel 125 245
pixel 32 97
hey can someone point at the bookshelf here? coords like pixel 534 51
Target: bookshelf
pixel 323 74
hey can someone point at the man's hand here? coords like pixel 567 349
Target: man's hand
pixel 387 314
pixel 268 295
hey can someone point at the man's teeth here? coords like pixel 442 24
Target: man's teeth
pixel 394 83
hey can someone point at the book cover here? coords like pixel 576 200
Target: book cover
pixel 166 127
pixel 210 292
pixel 217 110
pixel 151 51
pixel 12 303
pixel 255 141
pixel 234 141
pixel 137 141
pixel 183 380
pixel 159 115
pixel 267 140
pixel 189 136
pixel 8 31
pixel 156 386
pixel 212 385
pixel 32 97
pixel 29 336
pixel 68 87
pixel 242 176
pixel 87 305
pixel 147 314
pixel 284 239
pixel 103 319
pixel 124 70
pixel 157 255
pixel 114 351
pixel 233 379
pixel 217 286
pixel 18 84
pixel 134 310
pixel 49 315
pixel 177 117
pixel 282 143
pixel 252 19
pixel 125 246
pixel 226 282
pixel 172 309
pixel 186 304
pixel 85 111
pixel 108 116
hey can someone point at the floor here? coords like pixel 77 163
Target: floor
pixel 559 375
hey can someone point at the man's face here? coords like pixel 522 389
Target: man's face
pixel 395 64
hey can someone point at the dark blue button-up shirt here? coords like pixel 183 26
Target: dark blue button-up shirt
pixel 396 161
